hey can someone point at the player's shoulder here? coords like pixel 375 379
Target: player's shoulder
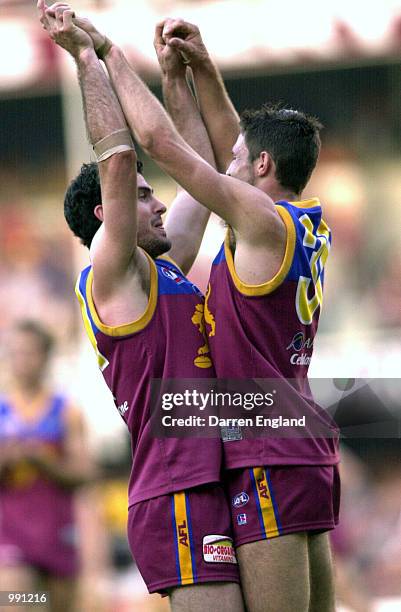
pixel 72 412
pixel 4 404
pixel 298 208
pixel 72 415
pixel 82 279
pixel 306 215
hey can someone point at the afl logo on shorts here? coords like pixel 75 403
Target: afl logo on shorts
pixel 240 500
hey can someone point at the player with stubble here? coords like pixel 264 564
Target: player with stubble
pixel 264 295
pixel 262 310
pixel 144 320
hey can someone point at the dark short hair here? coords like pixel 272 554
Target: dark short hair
pixel 81 199
pixel 289 136
pixel 30 326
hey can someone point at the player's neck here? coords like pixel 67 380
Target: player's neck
pixel 28 389
pixel 283 194
pixel 276 191
pixel 29 402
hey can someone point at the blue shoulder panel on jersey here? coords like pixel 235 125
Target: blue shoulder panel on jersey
pixel 171 280
pixel 52 425
pixel 82 297
pixel 49 426
pixel 4 407
pixel 308 225
pixel 220 257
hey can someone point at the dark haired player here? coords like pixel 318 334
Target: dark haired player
pixel 138 309
pixel 262 310
pixel 43 458
pixel 268 294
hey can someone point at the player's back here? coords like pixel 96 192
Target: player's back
pixel 267 331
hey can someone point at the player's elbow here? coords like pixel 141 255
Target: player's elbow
pixel 156 144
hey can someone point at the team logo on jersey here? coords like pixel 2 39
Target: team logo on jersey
pixel 218 549
pixel 173 275
pixel 202 360
pixel 240 500
pixel 241 519
pixel 297 344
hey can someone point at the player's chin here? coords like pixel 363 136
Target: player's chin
pixel 156 245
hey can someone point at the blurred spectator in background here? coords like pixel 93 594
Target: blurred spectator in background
pixel 367 543
pixel 43 459
pixel 35 262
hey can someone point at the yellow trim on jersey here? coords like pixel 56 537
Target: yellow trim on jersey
pixel 183 539
pixel 311 203
pixel 102 361
pixel 133 326
pixel 170 260
pixel 265 502
pixel 273 283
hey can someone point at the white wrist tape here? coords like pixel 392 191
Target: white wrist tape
pixel 116 142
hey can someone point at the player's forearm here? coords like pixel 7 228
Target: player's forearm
pixel 218 113
pixel 103 114
pixel 187 219
pixel 65 473
pixel 184 111
pixel 145 115
pixel 104 117
pixel 157 135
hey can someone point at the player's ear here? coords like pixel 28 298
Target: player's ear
pixel 98 212
pixel 263 164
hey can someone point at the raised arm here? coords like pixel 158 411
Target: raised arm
pixel 114 246
pixel 218 112
pixel 248 210
pixel 113 251
pixel 187 219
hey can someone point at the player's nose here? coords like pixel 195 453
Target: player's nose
pixel 158 206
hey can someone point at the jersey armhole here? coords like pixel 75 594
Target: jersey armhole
pixel 272 284
pixel 133 326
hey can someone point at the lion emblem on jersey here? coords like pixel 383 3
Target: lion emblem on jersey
pixel 203 359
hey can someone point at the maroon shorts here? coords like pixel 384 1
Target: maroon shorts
pixel 267 502
pixel 183 538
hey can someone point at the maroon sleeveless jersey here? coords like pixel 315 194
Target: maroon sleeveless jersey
pixel 37 524
pixel 167 341
pixel 267 331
